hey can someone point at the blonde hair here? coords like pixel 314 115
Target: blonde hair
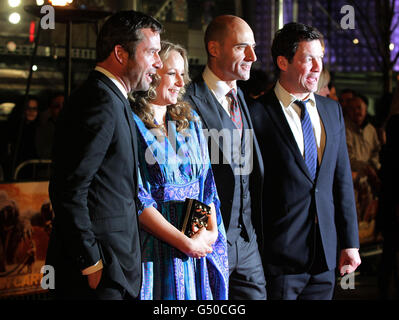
pixel 324 79
pixel 179 112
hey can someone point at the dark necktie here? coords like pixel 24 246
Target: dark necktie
pixel 235 112
pixel 309 142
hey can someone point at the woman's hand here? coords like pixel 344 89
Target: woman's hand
pixel 199 244
pixel 210 233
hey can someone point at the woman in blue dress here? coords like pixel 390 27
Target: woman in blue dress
pixel 175 165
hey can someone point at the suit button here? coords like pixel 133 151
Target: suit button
pixel 316 190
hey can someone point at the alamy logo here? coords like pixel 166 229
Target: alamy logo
pixel 348 281
pixel 48 279
pixel 348 20
pixel 228 141
pixel 48 20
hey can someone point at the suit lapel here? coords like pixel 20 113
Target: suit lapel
pixel 325 119
pixel 273 107
pixel 127 111
pixel 207 106
pixel 257 155
pixel 208 109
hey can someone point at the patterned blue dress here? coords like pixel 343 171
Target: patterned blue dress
pixel 172 169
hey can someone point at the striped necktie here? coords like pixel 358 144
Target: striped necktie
pixel 309 142
pixel 235 112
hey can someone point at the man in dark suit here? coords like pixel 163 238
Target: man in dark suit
pixel 95 245
pixel 234 151
pixel 308 191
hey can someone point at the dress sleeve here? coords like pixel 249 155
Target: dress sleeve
pixel 145 199
pixel 210 191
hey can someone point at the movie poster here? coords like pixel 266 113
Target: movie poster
pixel 25 226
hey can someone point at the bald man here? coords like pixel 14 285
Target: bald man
pixel 235 156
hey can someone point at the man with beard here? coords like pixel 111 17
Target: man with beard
pixel 94 245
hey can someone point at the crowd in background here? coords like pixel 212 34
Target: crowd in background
pixel 28 134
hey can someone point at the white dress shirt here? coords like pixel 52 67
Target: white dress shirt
pixel 219 88
pixel 292 113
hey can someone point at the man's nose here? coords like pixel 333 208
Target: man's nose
pixel 158 62
pixel 250 54
pixel 317 65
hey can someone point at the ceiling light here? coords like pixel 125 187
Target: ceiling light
pixel 14 3
pixel 14 18
pixel 60 2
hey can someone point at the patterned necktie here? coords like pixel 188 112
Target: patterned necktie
pixel 235 112
pixel 309 142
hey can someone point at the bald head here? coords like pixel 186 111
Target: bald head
pixel 220 27
pixel 230 45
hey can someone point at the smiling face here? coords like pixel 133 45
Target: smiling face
pixel 171 79
pixel 233 56
pixel 300 76
pixel 139 69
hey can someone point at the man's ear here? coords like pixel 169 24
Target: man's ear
pixel 121 55
pixel 282 63
pixel 213 48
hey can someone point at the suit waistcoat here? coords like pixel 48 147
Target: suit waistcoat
pixel 240 218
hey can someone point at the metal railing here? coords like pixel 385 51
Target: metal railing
pixel 34 163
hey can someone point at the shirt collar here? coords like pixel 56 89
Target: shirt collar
pixel 217 86
pixel 286 98
pixel 113 79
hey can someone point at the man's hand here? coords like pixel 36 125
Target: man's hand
pixel 349 260
pixel 94 278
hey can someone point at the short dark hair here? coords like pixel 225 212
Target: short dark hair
pixel 287 39
pixel 123 28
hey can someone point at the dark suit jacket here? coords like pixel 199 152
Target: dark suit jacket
pixel 93 187
pixel 206 105
pixel 292 200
